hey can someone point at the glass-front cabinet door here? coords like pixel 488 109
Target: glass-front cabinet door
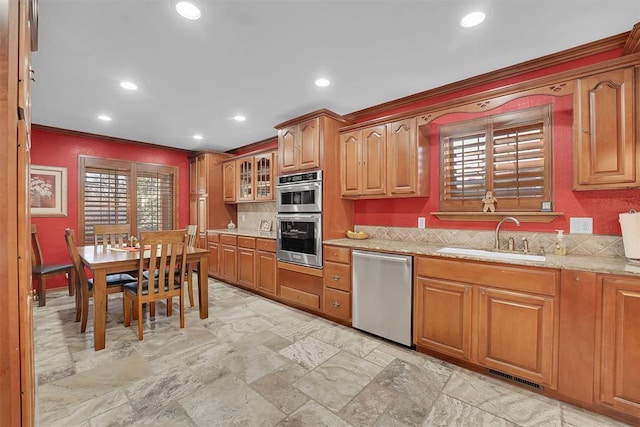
pixel 244 170
pixel 264 176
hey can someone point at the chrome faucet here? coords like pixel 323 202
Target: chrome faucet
pixel 506 218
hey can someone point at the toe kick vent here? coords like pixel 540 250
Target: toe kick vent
pixel 515 379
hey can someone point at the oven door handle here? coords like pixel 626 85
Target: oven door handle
pixel 295 216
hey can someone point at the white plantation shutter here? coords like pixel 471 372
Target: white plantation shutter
pixel 508 154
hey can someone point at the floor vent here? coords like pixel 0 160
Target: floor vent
pixel 516 379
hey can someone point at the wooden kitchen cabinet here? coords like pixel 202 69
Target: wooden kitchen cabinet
pixel 363 161
pixel 619 374
pixel 229 182
pixel 516 334
pixel 213 244
pixel 605 118
pixel 247 261
pixel 299 146
pixel 266 266
pixel 228 263
pixel 206 205
pixel 383 160
pixel 443 316
pixel 337 283
pixel 498 316
pixel 249 179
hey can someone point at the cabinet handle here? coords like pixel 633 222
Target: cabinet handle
pixel 578 279
pixel 336 304
pixel 335 277
pixel 585 130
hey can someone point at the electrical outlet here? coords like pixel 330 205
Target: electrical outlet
pixel 421 222
pixel 581 225
pixel 242 217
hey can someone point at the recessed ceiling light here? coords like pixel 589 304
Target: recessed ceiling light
pixel 322 82
pixel 239 118
pixel 472 19
pixel 104 117
pixel 188 9
pixel 128 86
pixel 198 137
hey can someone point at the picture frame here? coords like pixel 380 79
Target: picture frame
pixel 265 225
pixel 545 206
pixel 48 191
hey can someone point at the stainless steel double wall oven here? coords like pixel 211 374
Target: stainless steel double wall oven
pixel 299 219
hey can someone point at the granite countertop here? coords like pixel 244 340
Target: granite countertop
pixel 610 265
pixel 246 232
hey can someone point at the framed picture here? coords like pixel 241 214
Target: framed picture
pixel 48 190
pixel 265 225
pixel 545 206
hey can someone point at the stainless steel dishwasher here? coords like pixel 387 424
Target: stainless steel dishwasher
pixel 382 295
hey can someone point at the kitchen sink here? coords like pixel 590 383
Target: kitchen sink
pixel 481 253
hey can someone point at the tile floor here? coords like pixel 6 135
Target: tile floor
pixel 255 362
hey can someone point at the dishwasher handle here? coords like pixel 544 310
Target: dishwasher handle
pixel 381 257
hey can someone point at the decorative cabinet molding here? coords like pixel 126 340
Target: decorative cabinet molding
pixel 605 145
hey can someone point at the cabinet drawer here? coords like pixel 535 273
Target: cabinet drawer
pixel 337 276
pixel 246 242
pixel 506 276
pixel 300 297
pixel 227 239
pixel 337 254
pixel 337 304
pixel 267 245
pixel 213 237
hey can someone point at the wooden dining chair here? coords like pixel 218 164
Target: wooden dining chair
pixel 84 289
pixel 41 271
pixel 111 234
pixel 192 231
pixel 158 277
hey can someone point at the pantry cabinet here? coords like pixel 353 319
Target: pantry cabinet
pixel 605 119
pixel 383 160
pixel 620 344
pixel 502 317
pixel 206 202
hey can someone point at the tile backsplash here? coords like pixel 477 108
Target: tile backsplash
pixel 577 244
pixel 250 214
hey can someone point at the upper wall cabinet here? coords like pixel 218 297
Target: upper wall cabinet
pixel 249 179
pixel 384 160
pixel 299 146
pixel 606 149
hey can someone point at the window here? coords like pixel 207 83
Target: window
pixel 509 154
pixel 120 192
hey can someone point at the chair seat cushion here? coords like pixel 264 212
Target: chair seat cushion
pixel 51 268
pixel 115 280
pixel 133 286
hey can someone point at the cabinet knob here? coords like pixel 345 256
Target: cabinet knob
pixel 578 279
pixel 335 277
pixel 336 304
pixel 585 130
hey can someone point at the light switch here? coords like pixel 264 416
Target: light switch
pixel 421 222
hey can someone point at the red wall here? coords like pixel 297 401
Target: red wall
pixel 602 206
pixel 60 149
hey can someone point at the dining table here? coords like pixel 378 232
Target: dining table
pixel 106 260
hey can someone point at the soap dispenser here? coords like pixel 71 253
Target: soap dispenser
pixel 231 226
pixel 561 245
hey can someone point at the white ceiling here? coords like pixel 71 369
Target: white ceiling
pixel 260 58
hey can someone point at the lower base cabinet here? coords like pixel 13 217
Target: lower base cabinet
pixel 266 266
pixel 496 316
pixel 337 283
pixel 620 345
